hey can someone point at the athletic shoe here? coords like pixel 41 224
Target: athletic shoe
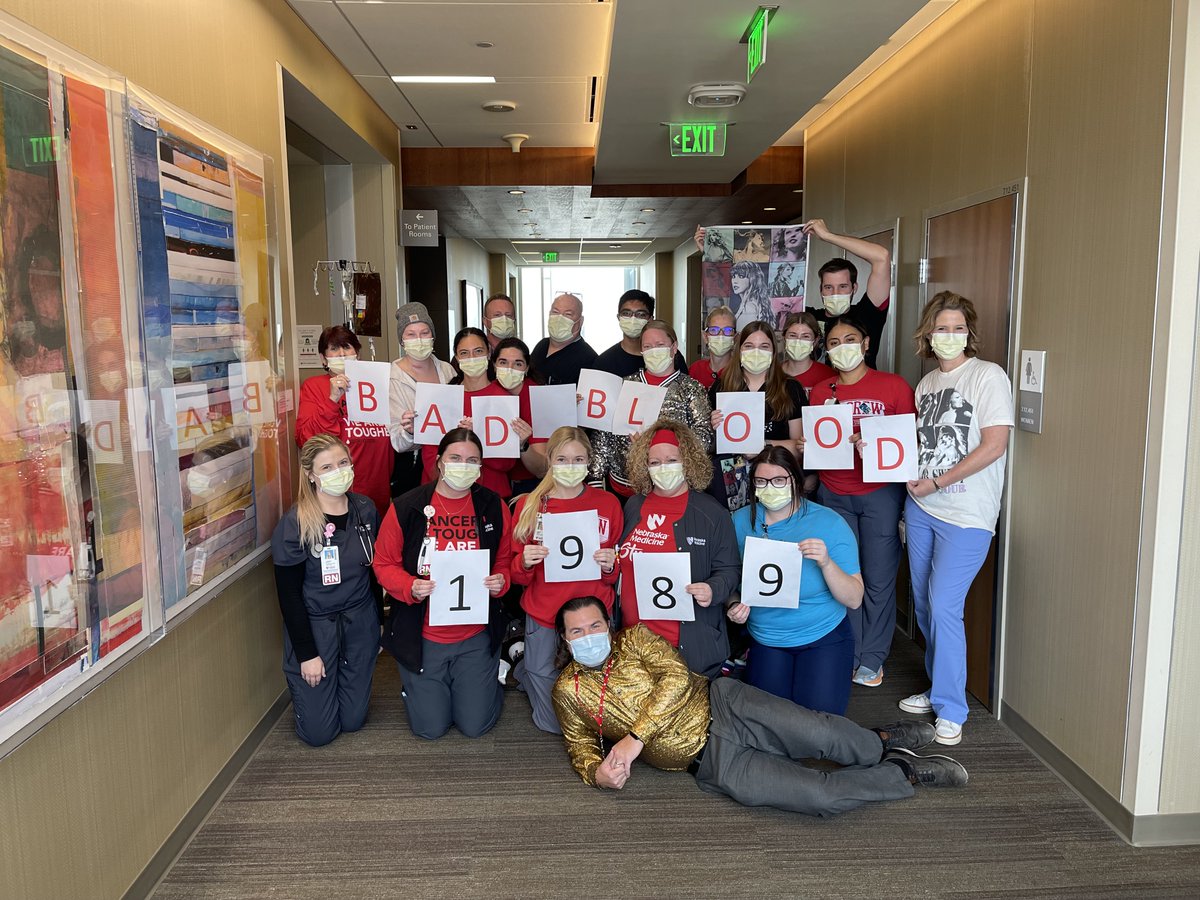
pixel 868 677
pixel 930 771
pixel 910 735
pixel 948 732
pixel 917 703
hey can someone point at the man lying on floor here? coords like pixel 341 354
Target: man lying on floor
pixel 632 695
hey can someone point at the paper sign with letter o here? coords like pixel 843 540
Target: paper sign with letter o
pixel 599 392
pixel 659 580
pixel 827 431
pixel 771 573
pixel 744 424
pixel 573 539
pixel 491 419
pixel 437 409
pixel 459 596
pixel 890 451
pixel 367 395
pixel 637 407
pixel 552 407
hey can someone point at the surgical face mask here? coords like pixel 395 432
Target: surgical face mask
pixel 418 348
pixel 837 304
pixel 510 379
pixel 846 357
pixel 337 364
pixel 773 498
pixel 568 475
pixel 658 360
pixel 591 649
pixel 460 476
pixel 757 361
pixel 631 326
pixel 667 477
pixel 948 346
pixel 110 381
pixel 474 366
pixel 560 327
pixel 503 327
pixel 337 482
pixel 798 350
pixel 720 345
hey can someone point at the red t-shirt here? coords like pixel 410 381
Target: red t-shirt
pixel 452 527
pixel 541 599
pixel 814 374
pixel 703 372
pixel 494 474
pixel 518 471
pixel 875 394
pixel 665 512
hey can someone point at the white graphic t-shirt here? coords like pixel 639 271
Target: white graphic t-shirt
pixel 952 408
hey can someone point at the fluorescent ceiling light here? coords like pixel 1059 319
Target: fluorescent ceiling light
pixel 444 79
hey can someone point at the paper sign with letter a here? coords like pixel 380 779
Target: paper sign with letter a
pixel 459 595
pixel 771 573
pixel 491 419
pixel 827 431
pixel 573 539
pixel 438 408
pixel 599 391
pixel 744 424
pixel 637 407
pixel 890 451
pixel 552 407
pixel 659 580
pixel 367 395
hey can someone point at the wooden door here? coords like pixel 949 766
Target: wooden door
pixel 971 251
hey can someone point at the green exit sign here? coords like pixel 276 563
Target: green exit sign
pixel 42 150
pixel 755 40
pixel 550 256
pixel 698 138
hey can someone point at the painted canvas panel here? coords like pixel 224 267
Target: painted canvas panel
pixel 759 272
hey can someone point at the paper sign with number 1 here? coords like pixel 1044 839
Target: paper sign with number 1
pixel 459 596
pixel 659 580
pixel 573 539
pixel 771 573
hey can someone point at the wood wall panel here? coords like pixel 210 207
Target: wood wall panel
pixel 455 166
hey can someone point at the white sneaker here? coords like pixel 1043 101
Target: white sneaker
pixel 948 732
pixel 917 703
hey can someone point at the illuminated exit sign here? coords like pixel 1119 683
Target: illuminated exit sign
pixel 698 138
pixel 755 40
pixel 550 256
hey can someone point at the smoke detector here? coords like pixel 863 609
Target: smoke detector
pixel 499 106
pixel 716 96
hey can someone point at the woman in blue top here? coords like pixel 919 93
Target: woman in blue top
pixel 804 654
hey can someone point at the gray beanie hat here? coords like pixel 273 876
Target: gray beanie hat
pixel 412 312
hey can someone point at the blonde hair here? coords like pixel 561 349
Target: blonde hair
pixel 664 327
pixel 524 526
pixel 697 464
pixel 719 311
pixel 309 514
pixel 939 303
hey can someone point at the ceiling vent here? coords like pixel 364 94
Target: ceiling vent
pixel 716 96
pixel 499 106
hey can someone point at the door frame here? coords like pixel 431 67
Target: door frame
pixel 889 328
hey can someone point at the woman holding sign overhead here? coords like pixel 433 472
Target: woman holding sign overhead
pixel 448 670
pixel 544 556
pixel 802 649
pixel 669 515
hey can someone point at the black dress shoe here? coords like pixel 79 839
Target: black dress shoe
pixel 908 735
pixel 930 771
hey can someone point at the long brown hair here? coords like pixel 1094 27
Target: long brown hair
pixel 779 402
pixel 526 522
pixel 309 514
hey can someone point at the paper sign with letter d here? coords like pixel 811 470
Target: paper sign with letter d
pixel 743 426
pixel 637 407
pixel 459 596
pixel 827 432
pixel 367 395
pixel 660 579
pixel 438 408
pixel 491 419
pixel 890 448
pixel 599 392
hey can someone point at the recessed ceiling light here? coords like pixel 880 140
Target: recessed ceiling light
pixel 524 209
pixel 532 224
pixel 639 223
pixel 797 190
pixel 747 222
pixel 444 79
pixel 516 193
pixel 647 209
pixel 614 246
pixel 587 217
pixel 412 127
pixel 484 45
pixel 768 209
pixel 631 234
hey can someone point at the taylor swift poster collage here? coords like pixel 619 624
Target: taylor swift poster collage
pixel 758 272
pixel 108 303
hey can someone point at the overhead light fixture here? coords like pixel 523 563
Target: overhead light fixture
pixel 747 222
pixel 647 209
pixel 411 127
pixel 639 223
pixel 444 79
pixel 516 193
pixel 614 246
pixel 797 190
pixel 631 234
pixel 484 45
pixel 531 224
pixel 587 217
pixel 768 209
pixel 524 209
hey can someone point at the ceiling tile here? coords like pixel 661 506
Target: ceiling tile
pixel 336 32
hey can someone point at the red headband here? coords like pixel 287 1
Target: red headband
pixel 664 436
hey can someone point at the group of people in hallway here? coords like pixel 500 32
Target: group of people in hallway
pixel 736 694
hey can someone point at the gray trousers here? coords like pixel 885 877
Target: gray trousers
pixel 457 685
pixel 875 520
pixel 537 674
pixel 757 741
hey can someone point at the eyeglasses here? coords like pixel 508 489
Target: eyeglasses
pixel 714 330
pixel 634 314
pixel 778 481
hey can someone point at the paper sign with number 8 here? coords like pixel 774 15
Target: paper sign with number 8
pixel 659 580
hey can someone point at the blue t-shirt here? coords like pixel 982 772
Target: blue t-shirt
pixel 819 612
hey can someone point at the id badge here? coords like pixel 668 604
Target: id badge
pixel 331 566
pixel 537 530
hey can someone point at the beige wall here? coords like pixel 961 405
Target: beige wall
pixel 465 261
pixel 310 242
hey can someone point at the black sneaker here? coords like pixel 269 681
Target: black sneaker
pixel 907 735
pixel 930 771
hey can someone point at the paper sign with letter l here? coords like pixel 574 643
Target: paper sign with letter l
pixel 743 428
pixel 552 406
pixel 889 448
pixel 659 580
pixel 637 407
pixel 367 395
pixel 827 432
pixel 459 596
pixel 438 408
pixel 491 419
pixel 572 539
pixel 599 391
pixel 771 573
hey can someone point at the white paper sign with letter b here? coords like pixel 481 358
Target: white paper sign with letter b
pixel 659 580
pixel 491 419
pixel 367 395
pixel 439 407
pixel 572 539
pixel 743 426
pixel 771 573
pixel 459 596
pixel 889 448
pixel 827 432
pixel 599 392
pixel 637 407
